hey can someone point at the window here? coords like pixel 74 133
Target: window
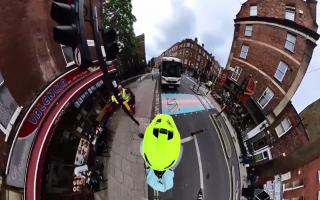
pixel 265 97
pixel 261 156
pixel 283 127
pixel 244 51
pixel 281 71
pixel 188 44
pixel 290 13
pixel 259 144
pixel 236 73
pixel 68 55
pixel 290 42
pixel 8 108
pixel 293 185
pixel 248 31
pixel 253 10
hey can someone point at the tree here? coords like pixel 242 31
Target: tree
pixel 118 15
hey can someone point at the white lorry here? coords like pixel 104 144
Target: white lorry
pixel 170 71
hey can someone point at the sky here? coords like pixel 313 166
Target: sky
pixel 166 22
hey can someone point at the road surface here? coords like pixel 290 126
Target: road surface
pixel 204 164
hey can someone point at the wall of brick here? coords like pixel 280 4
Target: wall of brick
pixel 276 9
pixel 309 176
pixel 295 138
pixel 262 84
pixel 265 58
pixel 191 53
pixel 29 56
pixel 276 37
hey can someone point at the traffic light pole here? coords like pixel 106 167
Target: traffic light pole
pixel 107 79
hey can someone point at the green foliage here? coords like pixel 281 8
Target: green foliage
pixel 118 15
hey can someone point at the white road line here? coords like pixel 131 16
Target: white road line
pixel 225 156
pixel 233 182
pixel 191 80
pixel 199 162
pixel 187 139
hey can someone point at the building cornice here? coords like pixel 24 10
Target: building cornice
pixel 281 23
pixel 262 73
pixel 292 58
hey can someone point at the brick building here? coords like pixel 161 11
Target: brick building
pixel 274 41
pixel 194 56
pixel 303 181
pixel 36 76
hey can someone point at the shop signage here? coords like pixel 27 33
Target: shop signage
pixel 87 93
pixel 78 183
pixel 19 153
pixel 42 104
pixel 46 100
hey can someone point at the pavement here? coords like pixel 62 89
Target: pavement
pixel 210 160
pixel 124 169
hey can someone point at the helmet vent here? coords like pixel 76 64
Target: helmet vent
pixel 156 132
pixel 145 156
pixel 170 165
pixel 170 135
pixel 163 131
pixel 169 123
pixel 158 121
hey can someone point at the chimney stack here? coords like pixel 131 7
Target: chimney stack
pixel 312 4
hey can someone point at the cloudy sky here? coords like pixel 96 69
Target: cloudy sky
pixel 168 21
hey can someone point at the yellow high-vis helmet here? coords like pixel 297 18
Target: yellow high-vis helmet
pixel 161 143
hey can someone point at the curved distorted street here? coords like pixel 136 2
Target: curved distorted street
pixel 159 100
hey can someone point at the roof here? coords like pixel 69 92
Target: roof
pixel 171 59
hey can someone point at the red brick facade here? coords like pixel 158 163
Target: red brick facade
pixel 293 139
pixel 267 48
pixel 276 8
pixel 192 55
pixel 30 58
pixel 280 49
pixel 305 180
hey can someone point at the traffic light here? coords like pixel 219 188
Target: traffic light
pixel 71 29
pixel 110 44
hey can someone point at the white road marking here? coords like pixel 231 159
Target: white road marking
pixel 225 156
pixel 191 80
pixel 187 139
pixel 199 162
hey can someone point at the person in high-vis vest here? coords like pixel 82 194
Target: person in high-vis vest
pixel 124 94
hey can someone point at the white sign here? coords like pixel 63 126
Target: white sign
pixel 90 43
pixel 77 56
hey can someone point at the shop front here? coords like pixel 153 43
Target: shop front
pixel 71 147
pixel 52 138
pixel 246 117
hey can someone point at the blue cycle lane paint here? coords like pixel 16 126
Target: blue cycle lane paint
pixel 177 103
